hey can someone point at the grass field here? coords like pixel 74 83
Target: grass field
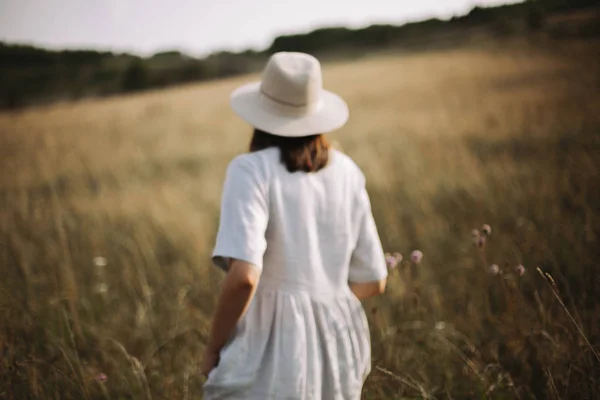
pixel 109 209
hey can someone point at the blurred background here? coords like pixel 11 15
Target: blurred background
pixel 475 122
pixel 85 53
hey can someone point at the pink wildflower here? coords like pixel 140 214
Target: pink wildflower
pixel 101 377
pixel 392 261
pixel 481 241
pixel 416 256
pixel 398 256
pixel 520 270
pixel 486 229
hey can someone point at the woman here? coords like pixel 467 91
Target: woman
pixel 300 247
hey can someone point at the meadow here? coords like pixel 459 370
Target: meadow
pixel 109 209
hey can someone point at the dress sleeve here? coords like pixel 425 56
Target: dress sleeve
pixel 367 263
pixel 244 216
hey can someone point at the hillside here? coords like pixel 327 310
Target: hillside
pixel 30 75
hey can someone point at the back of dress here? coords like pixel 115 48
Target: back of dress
pixel 304 335
pixel 309 230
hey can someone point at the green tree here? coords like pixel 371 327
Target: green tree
pixel 135 77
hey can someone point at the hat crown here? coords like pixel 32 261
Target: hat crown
pixel 292 79
pixel 290 99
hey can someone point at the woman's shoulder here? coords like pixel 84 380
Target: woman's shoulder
pixel 256 163
pixel 347 164
pixel 256 158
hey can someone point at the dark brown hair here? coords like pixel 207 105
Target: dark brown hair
pixel 307 153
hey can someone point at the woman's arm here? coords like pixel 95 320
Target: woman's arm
pixel 235 296
pixel 365 290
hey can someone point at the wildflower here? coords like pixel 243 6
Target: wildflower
pixel 100 261
pixel 392 260
pixel 520 270
pixel 101 288
pixel 486 229
pixel 398 257
pixel 416 256
pixel 101 377
pixel 494 269
pixel 481 241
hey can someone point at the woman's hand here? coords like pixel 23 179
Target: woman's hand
pixel 211 360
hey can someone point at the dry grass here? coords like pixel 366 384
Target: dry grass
pixel 507 135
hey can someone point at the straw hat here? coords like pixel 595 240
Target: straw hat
pixel 290 100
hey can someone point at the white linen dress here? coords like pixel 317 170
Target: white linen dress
pixel 305 335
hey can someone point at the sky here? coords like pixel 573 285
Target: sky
pixel 199 27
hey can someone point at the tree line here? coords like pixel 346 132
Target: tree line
pixel 31 75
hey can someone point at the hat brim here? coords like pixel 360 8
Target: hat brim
pixel 331 115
